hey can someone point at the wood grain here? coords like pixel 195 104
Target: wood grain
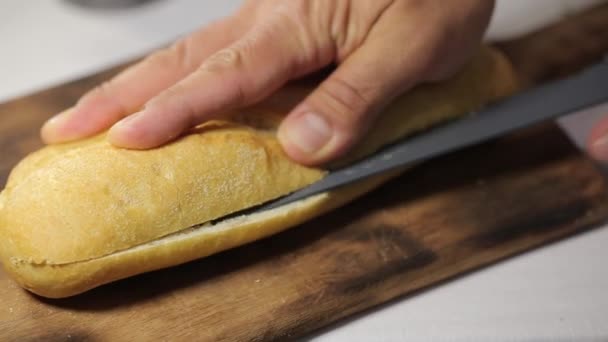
pixel 445 218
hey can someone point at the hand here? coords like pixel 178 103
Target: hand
pixel 381 48
pixel 597 143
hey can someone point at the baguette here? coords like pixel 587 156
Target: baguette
pixel 79 215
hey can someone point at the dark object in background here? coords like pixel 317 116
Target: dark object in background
pixel 109 4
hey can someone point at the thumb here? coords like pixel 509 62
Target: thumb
pixel 334 117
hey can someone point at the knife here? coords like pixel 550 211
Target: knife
pixel 584 89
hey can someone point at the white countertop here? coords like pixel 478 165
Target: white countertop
pixel 556 293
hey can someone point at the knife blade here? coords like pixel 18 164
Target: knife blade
pixel 584 89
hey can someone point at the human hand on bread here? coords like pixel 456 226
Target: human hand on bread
pixel 382 48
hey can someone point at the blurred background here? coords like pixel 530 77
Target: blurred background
pixel 48 42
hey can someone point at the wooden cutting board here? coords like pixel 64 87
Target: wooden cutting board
pixel 447 217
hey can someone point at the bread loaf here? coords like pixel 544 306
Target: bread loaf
pixel 82 214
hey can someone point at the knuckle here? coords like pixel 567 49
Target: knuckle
pixel 296 10
pixel 230 57
pixel 296 26
pixel 105 92
pixel 179 56
pixel 105 89
pixel 238 85
pixel 347 103
pixel 161 58
pixel 182 54
pixel 99 92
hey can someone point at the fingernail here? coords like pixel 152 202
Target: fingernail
pixel 308 132
pixel 600 146
pixel 121 134
pixel 127 121
pixel 58 118
pixel 51 130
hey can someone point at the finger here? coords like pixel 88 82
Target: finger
pixel 341 110
pixel 597 144
pixel 239 75
pixel 106 104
